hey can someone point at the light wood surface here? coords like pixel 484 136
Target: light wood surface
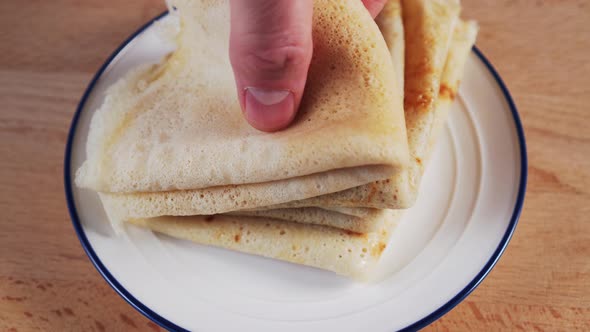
pixel 50 49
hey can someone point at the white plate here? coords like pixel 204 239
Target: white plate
pixel 471 197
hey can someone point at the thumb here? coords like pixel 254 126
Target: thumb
pixel 270 52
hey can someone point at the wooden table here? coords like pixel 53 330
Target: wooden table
pixel 50 50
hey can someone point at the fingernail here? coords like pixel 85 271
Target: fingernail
pixel 269 109
pixel 266 97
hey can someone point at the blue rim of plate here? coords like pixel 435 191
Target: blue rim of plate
pixel 163 322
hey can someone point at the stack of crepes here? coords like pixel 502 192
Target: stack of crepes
pixel 169 149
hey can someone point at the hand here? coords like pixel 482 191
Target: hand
pixel 270 52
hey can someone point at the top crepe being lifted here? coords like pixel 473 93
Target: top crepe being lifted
pixel 419 47
pixel 178 125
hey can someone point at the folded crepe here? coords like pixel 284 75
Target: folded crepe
pixel 366 219
pixel 170 138
pixel 427 29
pixel 391 25
pixel 361 221
pixel 463 40
pixel 355 219
pixel 145 205
pixel 344 252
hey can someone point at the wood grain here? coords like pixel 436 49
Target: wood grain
pixel 50 49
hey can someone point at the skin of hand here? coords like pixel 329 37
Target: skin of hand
pixel 270 51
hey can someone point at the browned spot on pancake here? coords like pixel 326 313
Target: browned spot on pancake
pixel 378 249
pixel 395 197
pixel 57 312
pixel 237 238
pixel 419 161
pixel 28 314
pixel 419 68
pixel 372 192
pixel 69 312
pixel 156 71
pixel 209 218
pixel 41 287
pixel 282 232
pixel 417 100
pixel 351 233
pixel 447 92
pixel 387 181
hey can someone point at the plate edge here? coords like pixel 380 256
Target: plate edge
pixel 470 287
pixel 104 272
